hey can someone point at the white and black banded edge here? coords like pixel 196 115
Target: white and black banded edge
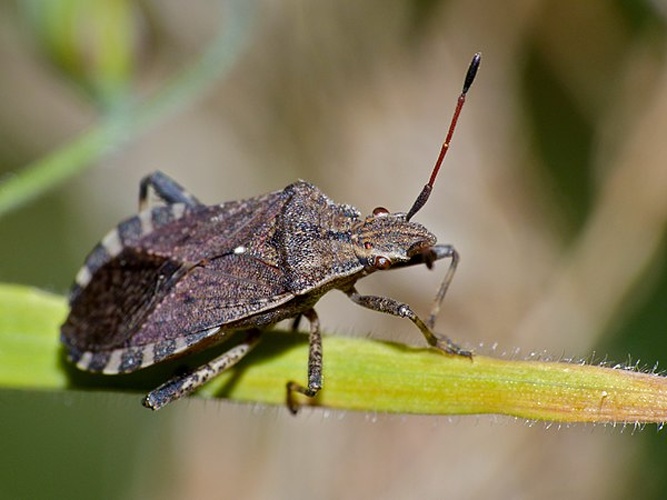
pixel 132 358
pixel 125 234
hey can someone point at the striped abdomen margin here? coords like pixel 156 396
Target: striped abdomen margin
pixel 125 234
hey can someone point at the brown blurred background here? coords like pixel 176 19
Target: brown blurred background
pixel 554 193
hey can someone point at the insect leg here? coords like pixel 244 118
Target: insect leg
pixel 166 188
pixel 296 322
pixel 182 385
pixel 391 306
pixel 314 365
pixel 442 252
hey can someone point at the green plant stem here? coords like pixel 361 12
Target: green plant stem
pixel 360 374
pixel 114 130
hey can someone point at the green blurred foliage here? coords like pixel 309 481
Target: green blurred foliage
pixel 555 122
pixel 95 44
pixel 88 447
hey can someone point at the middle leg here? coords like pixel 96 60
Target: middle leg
pixel 314 365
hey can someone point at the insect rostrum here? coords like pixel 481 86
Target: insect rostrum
pixel 179 278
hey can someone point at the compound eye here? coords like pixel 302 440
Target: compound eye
pixel 381 263
pixel 380 212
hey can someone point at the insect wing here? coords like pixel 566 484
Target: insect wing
pixel 215 293
pixel 149 296
pixel 207 232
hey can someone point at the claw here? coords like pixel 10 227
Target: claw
pixel 446 345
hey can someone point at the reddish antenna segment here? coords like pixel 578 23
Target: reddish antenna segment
pixel 426 192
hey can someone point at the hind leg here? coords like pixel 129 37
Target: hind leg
pixel 182 385
pixel 167 189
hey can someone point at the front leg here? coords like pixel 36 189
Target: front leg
pixel 443 252
pixel 314 365
pixel 429 258
pixel 391 306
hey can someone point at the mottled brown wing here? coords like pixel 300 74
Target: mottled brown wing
pixel 169 288
pixel 214 293
pixel 141 309
pixel 211 231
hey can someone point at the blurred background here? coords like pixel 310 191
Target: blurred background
pixel 554 192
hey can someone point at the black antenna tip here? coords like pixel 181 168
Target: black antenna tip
pixel 472 71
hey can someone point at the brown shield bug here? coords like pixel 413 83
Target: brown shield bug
pixel 179 278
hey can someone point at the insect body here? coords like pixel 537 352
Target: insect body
pixel 179 278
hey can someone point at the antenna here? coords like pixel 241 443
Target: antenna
pixel 426 192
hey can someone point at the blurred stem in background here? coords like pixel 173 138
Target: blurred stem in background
pixel 100 59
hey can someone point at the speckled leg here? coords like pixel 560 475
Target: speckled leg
pixel 183 385
pixel 445 252
pixel 167 189
pixel 314 365
pixel 391 306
